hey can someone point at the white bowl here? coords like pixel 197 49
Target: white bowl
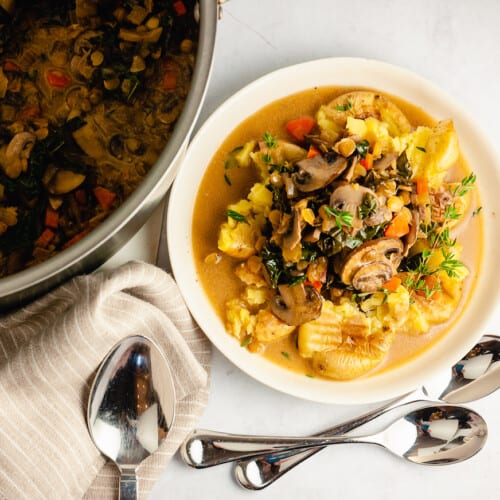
pixel 480 155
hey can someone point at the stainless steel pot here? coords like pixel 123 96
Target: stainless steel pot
pixel 122 224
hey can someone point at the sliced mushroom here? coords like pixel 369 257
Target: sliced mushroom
pixel 292 239
pixel 372 264
pixel 290 188
pixel 349 198
pixel 370 278
pixel 316 172
pixel 381 215
pixel 348 173
pixel 411 237
pixel 440 201
pixel 151 36
pixel 17 154
pixel 83 44
pixel 64 181
pixel 296 304
pixel 385 162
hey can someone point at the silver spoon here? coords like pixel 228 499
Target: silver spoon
pixel 434 435
pixel 131 407
pixel 475 376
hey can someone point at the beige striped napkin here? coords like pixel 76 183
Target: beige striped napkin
pixel 49 352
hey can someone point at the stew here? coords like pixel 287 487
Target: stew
pixel 335 240
pixel 89 94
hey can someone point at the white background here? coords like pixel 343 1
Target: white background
pixel 455 44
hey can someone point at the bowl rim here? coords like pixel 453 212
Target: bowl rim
pixel 344 71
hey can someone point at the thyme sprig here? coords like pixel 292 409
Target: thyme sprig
pixel 342 218
pixel 270 140
pixel 439 238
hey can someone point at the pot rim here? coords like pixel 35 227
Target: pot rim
pixel 106 231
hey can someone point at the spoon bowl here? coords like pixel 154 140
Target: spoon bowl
pixel 131 406
pixel 434 435
pixel 475 376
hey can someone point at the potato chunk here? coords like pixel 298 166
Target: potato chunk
pixel 269 328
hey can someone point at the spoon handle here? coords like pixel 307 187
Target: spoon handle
pixel 208 448
pixel 257 473
pixel 128 486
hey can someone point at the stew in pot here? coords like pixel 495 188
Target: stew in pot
pixel 89 94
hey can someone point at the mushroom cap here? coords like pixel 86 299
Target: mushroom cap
pixel 316 172
pixel 349 197
pixel 371 277
pixel 297 304
pixel 373 263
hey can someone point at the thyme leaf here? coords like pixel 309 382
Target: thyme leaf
pixel 362 147
pixel 344 107
pixel 342 218
pixel 233 214
pixel 271 141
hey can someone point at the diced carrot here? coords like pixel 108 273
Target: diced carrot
pixel 312 152
pixel 104 196
pixel 81 196
pixel 392 284
pixel 170 72
pixel 29 111
pixel 300 127
pixel 11 66
pixel 398 227
pixel 45 238
pixel 179 7
pixel 51 218
pixel 432 285
pixel 367 161
pixel 422 186
pixel 57 79
pixel 76 238
pixel 315 284
pixel 169 81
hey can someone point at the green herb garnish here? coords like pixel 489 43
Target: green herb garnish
pixel 246 341
pixel 270 141
pixel 466 184
pixel 342 218
pixel 420 148
pixel 236 216
pixel 346 107
pixel 362 147
pixel 403 166
pixel 450 265
pixel 439 239
pixel 368 206
pixel 285 354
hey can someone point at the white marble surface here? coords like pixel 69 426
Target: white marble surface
pixel 454 43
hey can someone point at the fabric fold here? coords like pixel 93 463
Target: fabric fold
pixel 49 352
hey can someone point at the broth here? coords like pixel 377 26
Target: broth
pixel 215 195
